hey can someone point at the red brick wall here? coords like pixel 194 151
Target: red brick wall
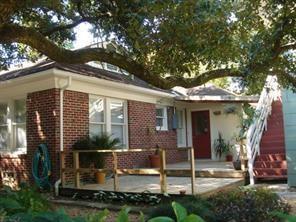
pixel 42 127
pixel 76 123
pixel 143 134
pixel 43 110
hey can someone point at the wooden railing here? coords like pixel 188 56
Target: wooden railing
pixel 255 132
pixel 162 171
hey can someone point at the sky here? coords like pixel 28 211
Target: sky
pixel 83 36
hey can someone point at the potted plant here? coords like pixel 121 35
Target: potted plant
pixel 102 142
pixel 97 160
pixel 220 146
pixel 155 159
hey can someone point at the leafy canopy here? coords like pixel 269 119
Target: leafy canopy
pixel 167 43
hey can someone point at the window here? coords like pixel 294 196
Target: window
pixel 13 136
pixel 161 118
pixel 97 123
pixel 108 115
pixel 3 127
pixel 181 134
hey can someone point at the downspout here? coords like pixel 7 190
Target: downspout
pixel 62 89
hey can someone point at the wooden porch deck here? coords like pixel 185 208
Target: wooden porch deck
pixel 211 176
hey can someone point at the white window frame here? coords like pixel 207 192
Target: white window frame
pixel 11 128
pixel 183 128
pixel 104 104
pixel 164 118
pixel 107 117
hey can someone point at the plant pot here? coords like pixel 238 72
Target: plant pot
pixel 237 165
pixel 154 161
pixel 100 177
pixel 229 158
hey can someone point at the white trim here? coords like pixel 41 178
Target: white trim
pixel 183 128
pixel 218 98
pixel 113 84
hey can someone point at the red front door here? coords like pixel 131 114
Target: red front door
pixel 201 135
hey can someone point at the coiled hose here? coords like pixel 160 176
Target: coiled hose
pixel 41 167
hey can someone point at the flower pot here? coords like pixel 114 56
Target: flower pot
pixel 100 177
pixel 229 158
pixel 237 165
pixel 154 161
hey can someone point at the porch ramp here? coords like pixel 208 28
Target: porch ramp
pixel 271 164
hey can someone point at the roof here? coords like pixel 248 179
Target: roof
pixel 82 69
pixel 206 93
pixel 209 93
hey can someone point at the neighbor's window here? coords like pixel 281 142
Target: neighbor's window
pixel 13 126
pixel 161 118
pixel 108 115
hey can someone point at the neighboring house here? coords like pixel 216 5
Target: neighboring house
pixel 59 104
pixel 289 110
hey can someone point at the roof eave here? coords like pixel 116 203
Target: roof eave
pixel 237 99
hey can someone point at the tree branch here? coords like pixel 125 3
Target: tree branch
pixel 287 47
pixel 10 33
pixel 203 77
pixel 63 27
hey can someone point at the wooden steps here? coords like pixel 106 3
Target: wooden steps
pixel 271 164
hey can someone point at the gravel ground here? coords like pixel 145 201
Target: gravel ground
pixel 82 211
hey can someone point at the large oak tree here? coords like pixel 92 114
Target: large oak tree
pixel 165 42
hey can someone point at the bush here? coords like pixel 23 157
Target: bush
pixel 193 204
pixel 27 199
pixel 246 204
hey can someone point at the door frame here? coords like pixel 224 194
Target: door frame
pixel 189 127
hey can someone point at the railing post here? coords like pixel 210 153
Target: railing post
pixel 115 166
pixel 76 169
pixel 62 167
pixel 192 167
pixel 163 177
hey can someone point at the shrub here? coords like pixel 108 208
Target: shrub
pixel 247 204
pixel 193 204
pixel 27 199
pixel 181 215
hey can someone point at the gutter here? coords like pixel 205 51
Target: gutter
pixel 62 89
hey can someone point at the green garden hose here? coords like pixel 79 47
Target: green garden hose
pixel 41 167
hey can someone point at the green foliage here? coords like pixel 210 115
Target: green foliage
pixel 193 205
pixel 246 204
pixel 97 217
pixel 221 146
pixel 100 142
pixel 284 217
pixel 180 38
pixel 27 199
pixel 181 215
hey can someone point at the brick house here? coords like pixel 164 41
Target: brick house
pixel 58 104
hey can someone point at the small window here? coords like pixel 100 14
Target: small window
pixel 161 118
